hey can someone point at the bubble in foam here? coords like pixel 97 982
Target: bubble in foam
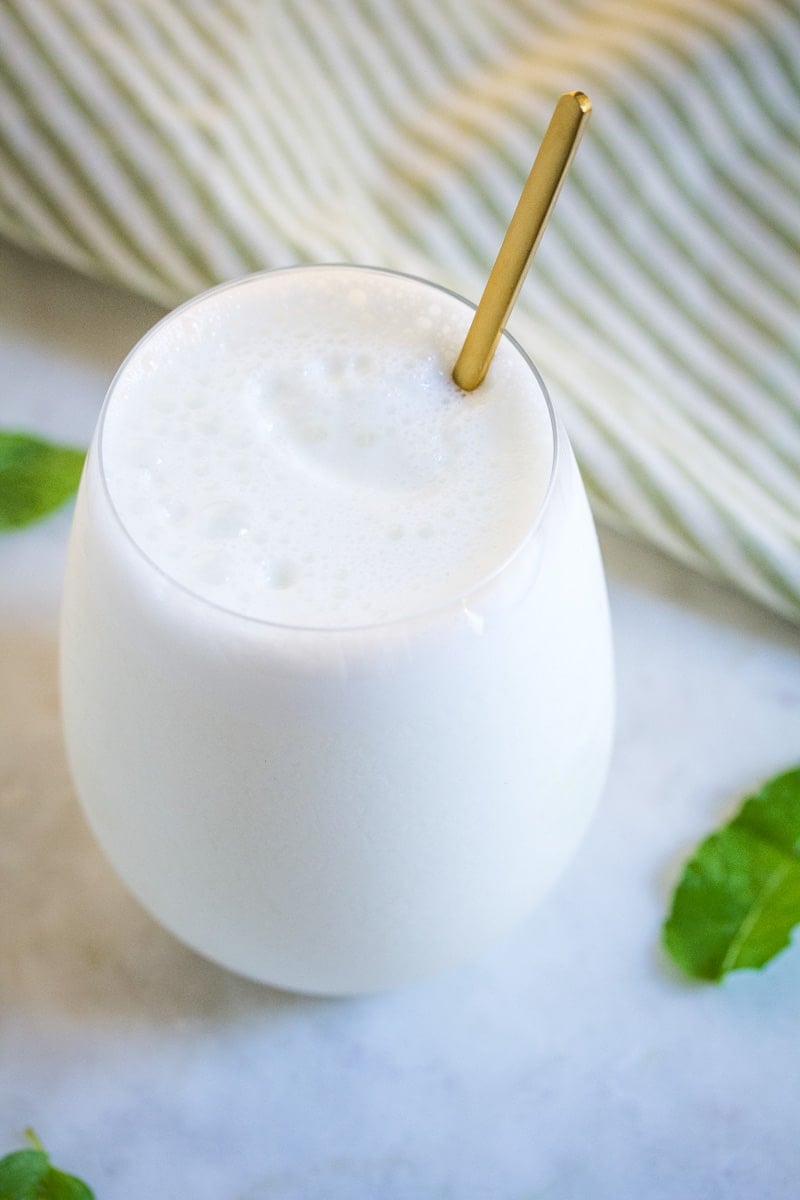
pixel 280 574
pixel 223 520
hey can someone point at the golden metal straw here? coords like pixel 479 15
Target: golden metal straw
pixel 522 238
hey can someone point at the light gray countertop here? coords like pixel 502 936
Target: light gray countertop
pixel 570 1063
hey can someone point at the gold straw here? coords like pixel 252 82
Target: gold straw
pixel 522 238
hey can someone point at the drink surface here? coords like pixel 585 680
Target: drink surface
pixel 295 450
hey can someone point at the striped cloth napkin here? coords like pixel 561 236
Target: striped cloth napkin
pixel 168 144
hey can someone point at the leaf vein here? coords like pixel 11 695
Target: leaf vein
pixel 771 884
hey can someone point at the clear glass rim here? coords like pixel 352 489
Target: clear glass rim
pixel 424 615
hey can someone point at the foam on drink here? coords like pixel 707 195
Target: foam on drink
pixel 296 450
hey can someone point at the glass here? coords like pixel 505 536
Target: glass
pixel 338 810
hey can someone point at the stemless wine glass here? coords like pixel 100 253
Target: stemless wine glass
pixel 338 809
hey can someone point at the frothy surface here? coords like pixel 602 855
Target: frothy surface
pixel 294 449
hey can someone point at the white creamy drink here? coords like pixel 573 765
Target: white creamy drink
pixel 335 649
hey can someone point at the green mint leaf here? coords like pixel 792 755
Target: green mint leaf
pixel 22 1174
pixel 29 1175
pixel 739 896
pixel 35 477
pixel 58 1186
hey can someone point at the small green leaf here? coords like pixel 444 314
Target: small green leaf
pixel 29 1175
pixel 739 896
pixel 35 477
pixel 22 1174
pixel 58 1186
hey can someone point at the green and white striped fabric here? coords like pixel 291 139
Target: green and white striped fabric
pixel 168 144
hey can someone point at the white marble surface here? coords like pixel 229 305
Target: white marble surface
pixel 571 1063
